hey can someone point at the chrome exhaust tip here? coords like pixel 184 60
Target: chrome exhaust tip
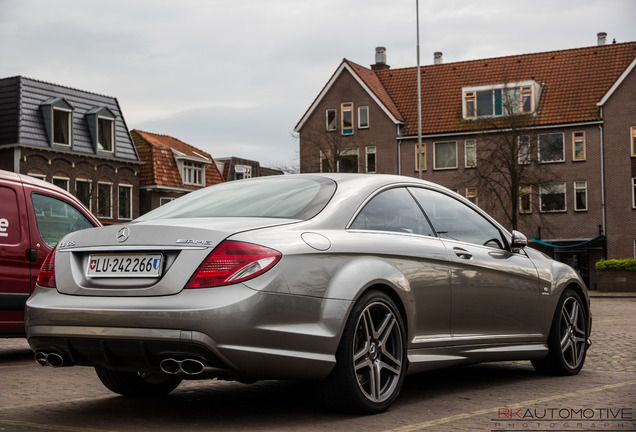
pixel 192 367
pixel 170 366
pixel 49 359
pixel 187 366
pixel 41 359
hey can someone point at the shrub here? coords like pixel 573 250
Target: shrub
pixel 628 264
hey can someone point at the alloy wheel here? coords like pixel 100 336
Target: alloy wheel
pixel 378 352
pixel 573 332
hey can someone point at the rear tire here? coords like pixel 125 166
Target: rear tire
pixel 567 342
pixel 137 384
pixel 371 359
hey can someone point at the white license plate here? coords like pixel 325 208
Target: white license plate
pixel 125 265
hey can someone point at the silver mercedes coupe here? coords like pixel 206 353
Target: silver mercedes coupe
pixel 350 281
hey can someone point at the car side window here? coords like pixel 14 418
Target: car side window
pixel 55 218
pixel 452 219
pixel 393 210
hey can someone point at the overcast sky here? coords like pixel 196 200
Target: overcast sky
pixel 234 77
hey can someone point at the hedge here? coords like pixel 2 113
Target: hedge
pixel 628 264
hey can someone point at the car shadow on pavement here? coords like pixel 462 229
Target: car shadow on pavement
pixel 276 405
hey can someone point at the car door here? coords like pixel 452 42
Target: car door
pixel 15 267
pixel 494 291
pixel 394 224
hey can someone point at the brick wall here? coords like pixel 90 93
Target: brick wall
pixel 74 166
pixel 620 167
pixel 381 132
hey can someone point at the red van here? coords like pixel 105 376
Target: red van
pixel 34 216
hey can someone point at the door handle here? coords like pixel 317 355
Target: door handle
pixel 462 253
pixel 32 255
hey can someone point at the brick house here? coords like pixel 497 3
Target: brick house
pixel 579 114
pixel 172 169
pixel 75 139
pixel 234 168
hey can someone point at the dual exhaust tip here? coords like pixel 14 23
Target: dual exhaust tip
pixel 186 366
pixel 49 359
pixel 169 366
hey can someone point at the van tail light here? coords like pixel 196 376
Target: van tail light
pixel 233 262
pixel 46 277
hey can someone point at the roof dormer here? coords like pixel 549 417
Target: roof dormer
pixel 500 99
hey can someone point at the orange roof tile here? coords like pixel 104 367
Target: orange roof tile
pixel 161 167
pixel 574 81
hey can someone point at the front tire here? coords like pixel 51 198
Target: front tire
pixel 137 384
pixel 567 342
pixel 371 358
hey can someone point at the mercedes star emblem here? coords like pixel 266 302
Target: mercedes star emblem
pixel 123 234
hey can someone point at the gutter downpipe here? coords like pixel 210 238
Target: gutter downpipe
pixel 419 94
pixel 600 127
pixel 399 154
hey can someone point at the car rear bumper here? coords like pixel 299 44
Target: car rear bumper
pixel 233 329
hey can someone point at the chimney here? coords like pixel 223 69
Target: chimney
pixel 437 57
pixel 601 38
pixel 380 59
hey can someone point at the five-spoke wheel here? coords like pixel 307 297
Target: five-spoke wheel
pixel 567 341
pixel 371 358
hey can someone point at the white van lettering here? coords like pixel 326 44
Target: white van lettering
pixel 4 225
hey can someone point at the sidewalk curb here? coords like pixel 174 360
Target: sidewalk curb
pixel 603 294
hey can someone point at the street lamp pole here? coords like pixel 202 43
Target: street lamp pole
pixel 419 94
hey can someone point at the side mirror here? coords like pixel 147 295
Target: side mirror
pixel 519 241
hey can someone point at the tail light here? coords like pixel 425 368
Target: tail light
pixel 46 277
pixel 232 262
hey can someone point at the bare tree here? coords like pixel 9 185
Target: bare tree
pixel 330 147
pixel 507 165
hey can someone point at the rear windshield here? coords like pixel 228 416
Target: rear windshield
pixel 273 197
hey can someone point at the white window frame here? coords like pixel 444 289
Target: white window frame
pixel 633 140
pixel 473 145
pixel 90 192
pixel 565 198
pixel 165 200
pixel 353 151
pixel 634 192
pixel 562 147
pixel 521 88
pixel 360 117
pixel 525 157
pixel 66 179
pixel 110 208
pixel 193 173
pixel 368 151
pixel 435 167
pixel 244 170
pixel 112 134
pixel 576 189
pixel 130 204
pixel 38 176
pixel 69 125
pixel 334 124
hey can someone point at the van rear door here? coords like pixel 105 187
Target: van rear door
pixel 15 265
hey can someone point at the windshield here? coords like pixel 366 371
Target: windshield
pixel 275 197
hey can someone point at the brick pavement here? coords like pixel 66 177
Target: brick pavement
pixel 33 398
